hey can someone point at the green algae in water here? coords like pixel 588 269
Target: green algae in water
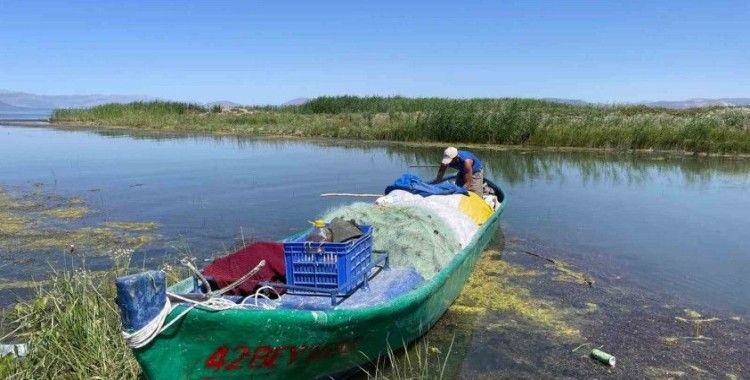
pixel 73 212
pixel 11 221
pixel 663 373
pixel 10 284
pixel 692 314
pixel 28 224
pixel 494 287
pixel 568 274
pixel 132 226
pixel 591 308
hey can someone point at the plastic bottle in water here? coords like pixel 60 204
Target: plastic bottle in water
pixel 320 232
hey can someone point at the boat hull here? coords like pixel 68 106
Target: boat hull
pixel 290 344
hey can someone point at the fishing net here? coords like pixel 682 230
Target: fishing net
pixel 413 236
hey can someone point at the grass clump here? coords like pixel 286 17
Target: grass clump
pixel 72 328
pixel 507 121
pixel 418 361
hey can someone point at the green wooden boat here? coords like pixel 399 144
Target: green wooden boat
pixel 291 344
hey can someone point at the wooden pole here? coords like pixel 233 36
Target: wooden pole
pixel 350 195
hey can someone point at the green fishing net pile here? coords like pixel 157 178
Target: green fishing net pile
pixel 413 236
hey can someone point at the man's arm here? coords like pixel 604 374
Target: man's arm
pixel 468 174
pixel 440 173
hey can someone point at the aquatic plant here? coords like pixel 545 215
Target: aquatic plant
pixel 131 226
pixel 13 284
pixel 495 286
pixel 74 212
pixel 28 223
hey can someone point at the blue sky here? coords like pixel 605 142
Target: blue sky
pixel 272 51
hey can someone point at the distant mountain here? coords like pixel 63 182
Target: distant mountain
pixel 16 100
pixel 296 102
pixel 223 104
pixel 575 102
pixel 26 100
pixel 8 107
pixel 674 104
pixel 698 102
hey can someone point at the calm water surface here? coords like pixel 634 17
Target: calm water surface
pixel 25 114
pixel 675 226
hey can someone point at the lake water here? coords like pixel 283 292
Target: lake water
pixel 672 228
pixel 25 114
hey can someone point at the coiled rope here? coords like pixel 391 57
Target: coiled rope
pixel 147 333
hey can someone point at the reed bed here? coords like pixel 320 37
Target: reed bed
pixel 507 121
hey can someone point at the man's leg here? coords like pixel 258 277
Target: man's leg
pixel 477 183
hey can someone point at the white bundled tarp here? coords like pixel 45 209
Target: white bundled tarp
pixel 444 206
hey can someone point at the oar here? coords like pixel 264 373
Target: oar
pixel 423 166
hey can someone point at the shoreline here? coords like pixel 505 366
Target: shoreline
pixel 94 127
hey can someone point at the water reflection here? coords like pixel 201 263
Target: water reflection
pixel 510 166
pixel 674 224
pixel 619 169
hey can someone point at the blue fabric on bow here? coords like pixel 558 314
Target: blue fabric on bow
pixel 415 185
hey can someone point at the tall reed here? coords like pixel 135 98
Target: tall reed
pixel 510 121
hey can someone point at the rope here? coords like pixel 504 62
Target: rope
pixel 156 326
pixel 147 333
pixel 211 304
pixel 258 293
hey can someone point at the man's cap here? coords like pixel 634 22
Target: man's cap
pixel 449 154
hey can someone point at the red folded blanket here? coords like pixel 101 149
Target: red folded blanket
pixel 225 270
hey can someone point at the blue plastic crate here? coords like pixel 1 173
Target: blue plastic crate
pixel 328 266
